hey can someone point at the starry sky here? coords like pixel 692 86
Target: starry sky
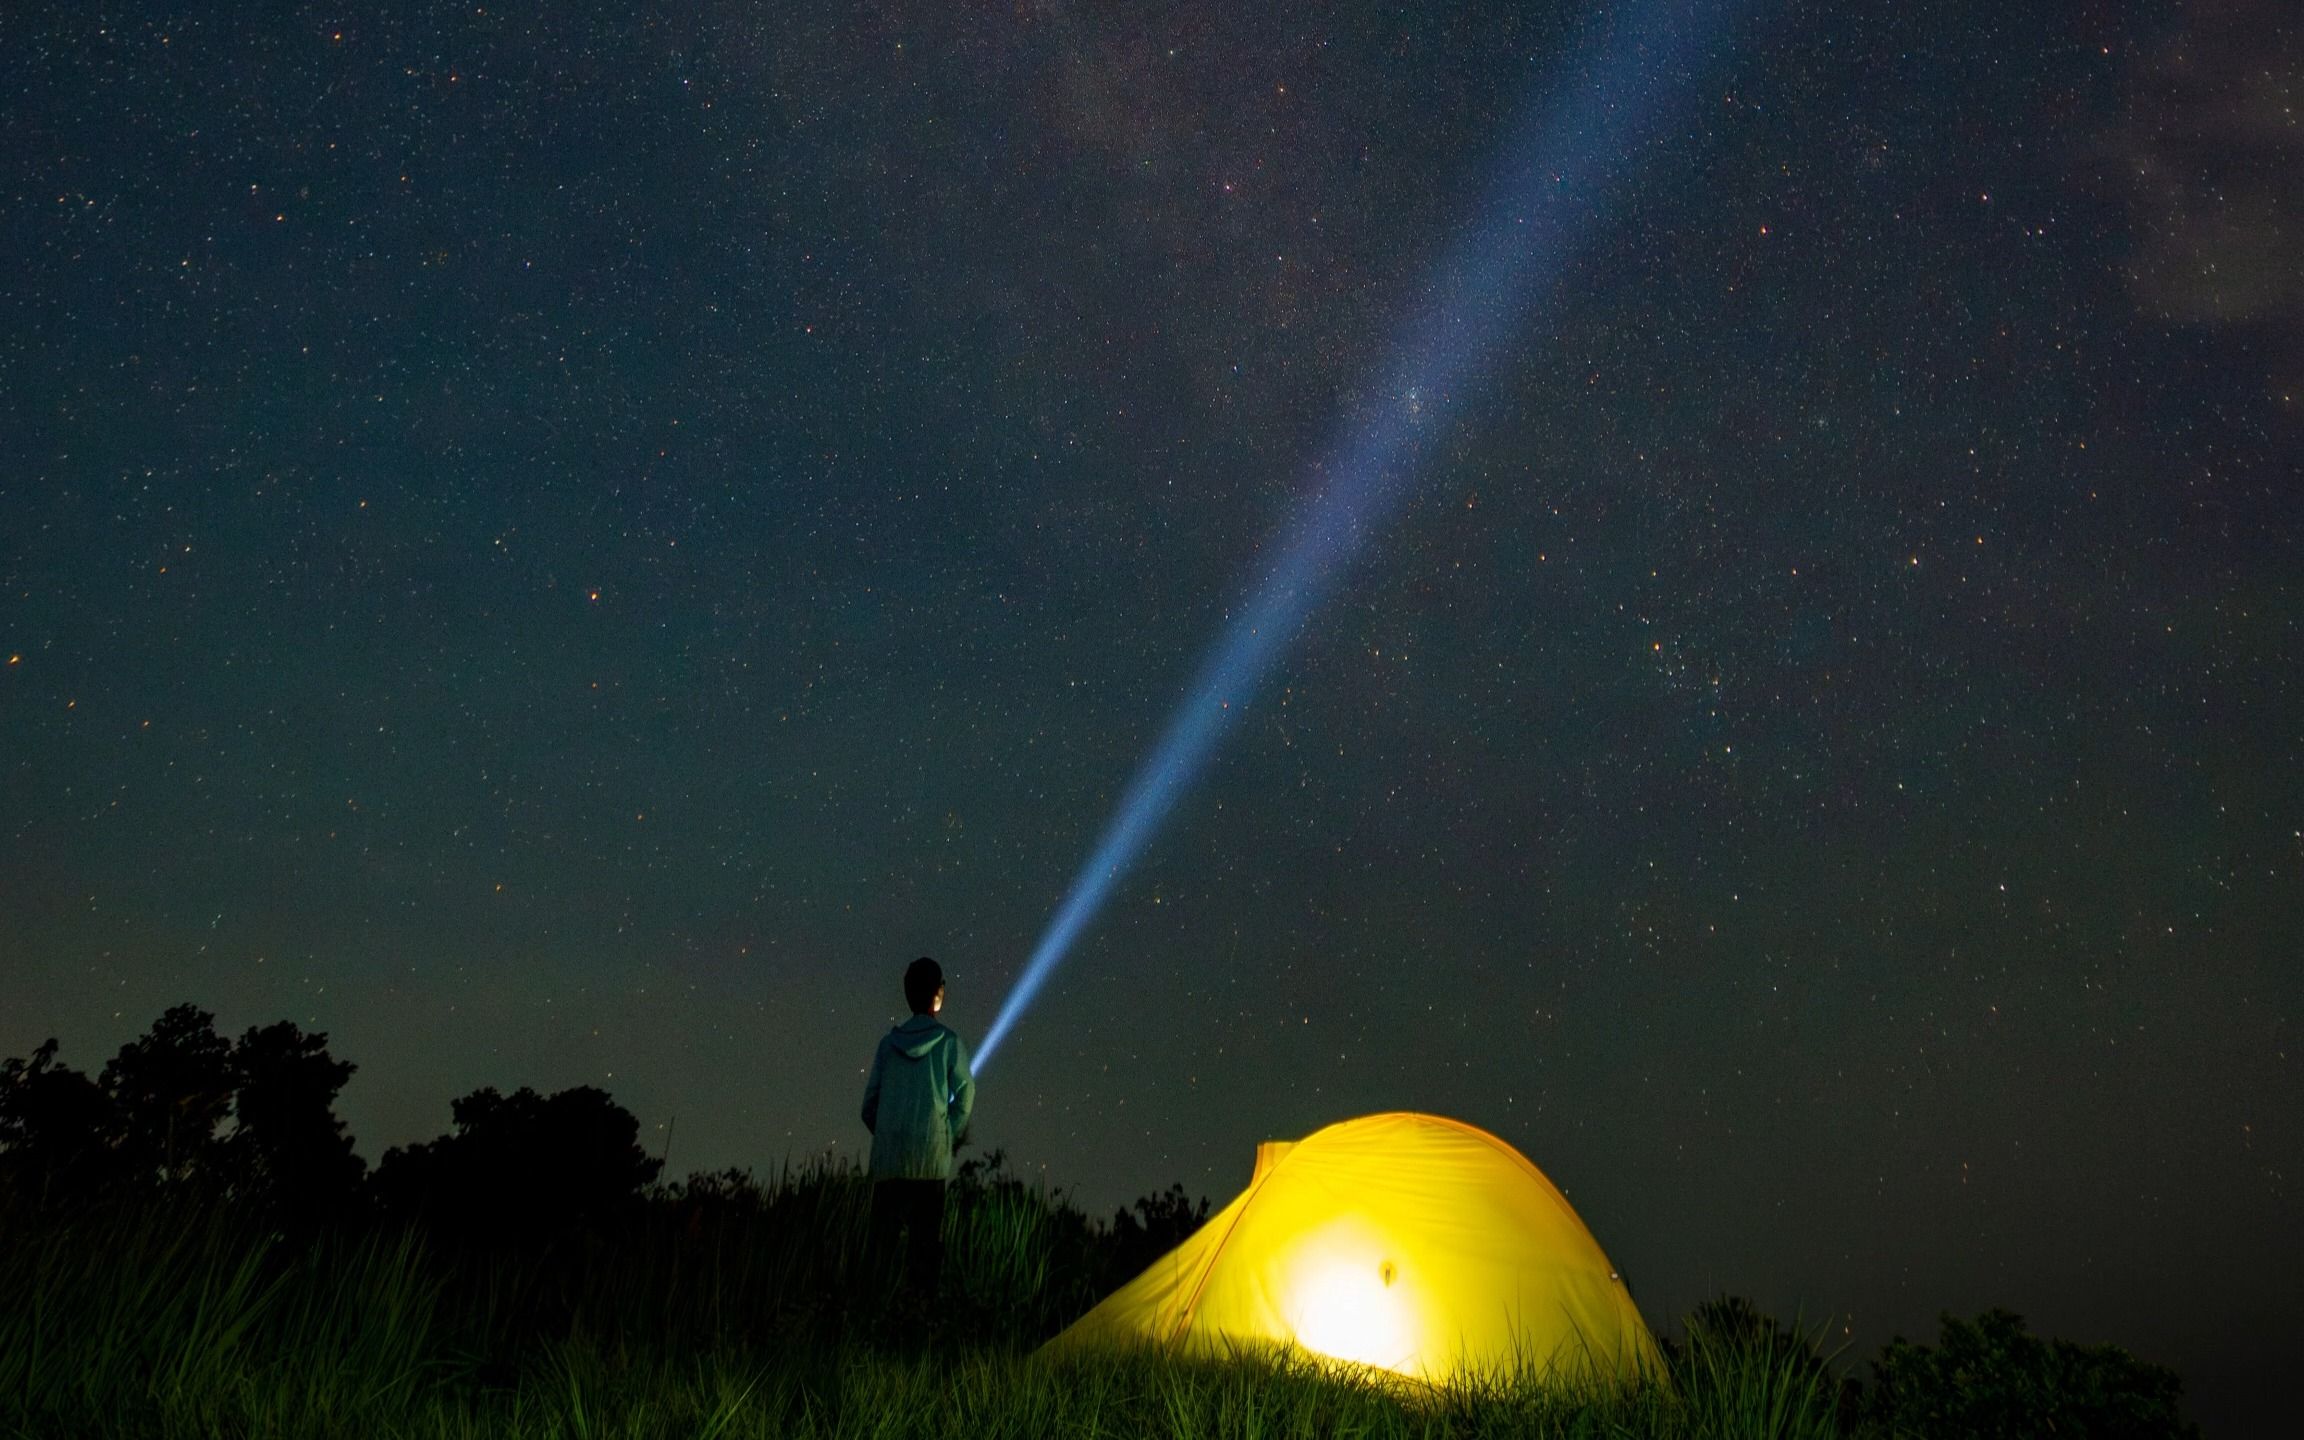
pixel 562 544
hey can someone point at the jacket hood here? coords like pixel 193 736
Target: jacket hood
pixel 916 1037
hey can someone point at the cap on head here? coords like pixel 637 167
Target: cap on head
pixel 922 979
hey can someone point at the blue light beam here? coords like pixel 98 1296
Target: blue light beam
pixel 1608 101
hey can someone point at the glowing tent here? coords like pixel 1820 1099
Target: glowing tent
pixel 1406 1242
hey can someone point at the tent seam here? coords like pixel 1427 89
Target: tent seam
pixel 1192 1301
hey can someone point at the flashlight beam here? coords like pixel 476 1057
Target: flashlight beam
pixel 1545 198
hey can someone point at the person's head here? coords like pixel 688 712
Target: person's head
pixel 924 986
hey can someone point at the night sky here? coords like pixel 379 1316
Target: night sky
pixel 562 546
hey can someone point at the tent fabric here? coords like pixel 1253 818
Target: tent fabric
pixel 1409 1243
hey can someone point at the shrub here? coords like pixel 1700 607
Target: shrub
pixel 1990 1378
pixel 1744 1373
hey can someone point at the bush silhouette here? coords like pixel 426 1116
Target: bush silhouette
pixel 1151 1227
pixel 520 1164
pixel 1990 1378
pixel 1735 1323
pixel 1780 1367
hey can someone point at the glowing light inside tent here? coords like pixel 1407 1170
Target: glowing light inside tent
pixel 1352 1307
pixel 1545 199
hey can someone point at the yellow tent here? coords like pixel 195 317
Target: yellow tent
pixel 1405 1242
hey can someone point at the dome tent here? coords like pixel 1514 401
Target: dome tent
pixel 1408 1243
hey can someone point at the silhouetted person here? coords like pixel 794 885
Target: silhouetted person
pixel 916 1105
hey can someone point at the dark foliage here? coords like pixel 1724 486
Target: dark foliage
pixel 1732 1324
pixel 287 1149
pixel 180 1112
pixel 1153 1226
pixel 1990 1379
pixel 55 1125
pixel 524 1164
pixel 173 1087
pixel 1734 1321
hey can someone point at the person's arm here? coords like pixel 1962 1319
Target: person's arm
pixel 963 1102
pixel 872 1092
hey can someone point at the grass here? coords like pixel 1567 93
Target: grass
pixel 721 1310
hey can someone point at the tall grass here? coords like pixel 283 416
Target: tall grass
pixel 731 1311
pixel 148 1322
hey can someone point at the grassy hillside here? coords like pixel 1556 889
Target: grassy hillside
pixel 163 1275
pixel 720 1309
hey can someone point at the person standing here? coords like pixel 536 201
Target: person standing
pixel 916 1106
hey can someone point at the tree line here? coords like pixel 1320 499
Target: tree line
pixel 182 1111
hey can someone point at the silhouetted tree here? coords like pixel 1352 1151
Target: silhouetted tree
pixel 288 1153
pixel 58 1133
pixel 522 1163
pixel 173 1087
pixel 151 1120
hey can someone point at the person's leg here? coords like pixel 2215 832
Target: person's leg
pixel 926 1258
pixel 885 1237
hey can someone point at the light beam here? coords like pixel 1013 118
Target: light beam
pixel 1605 104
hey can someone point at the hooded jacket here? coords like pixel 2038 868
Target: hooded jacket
pixel 918 1100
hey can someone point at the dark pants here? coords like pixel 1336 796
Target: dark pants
pixel 916 1208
